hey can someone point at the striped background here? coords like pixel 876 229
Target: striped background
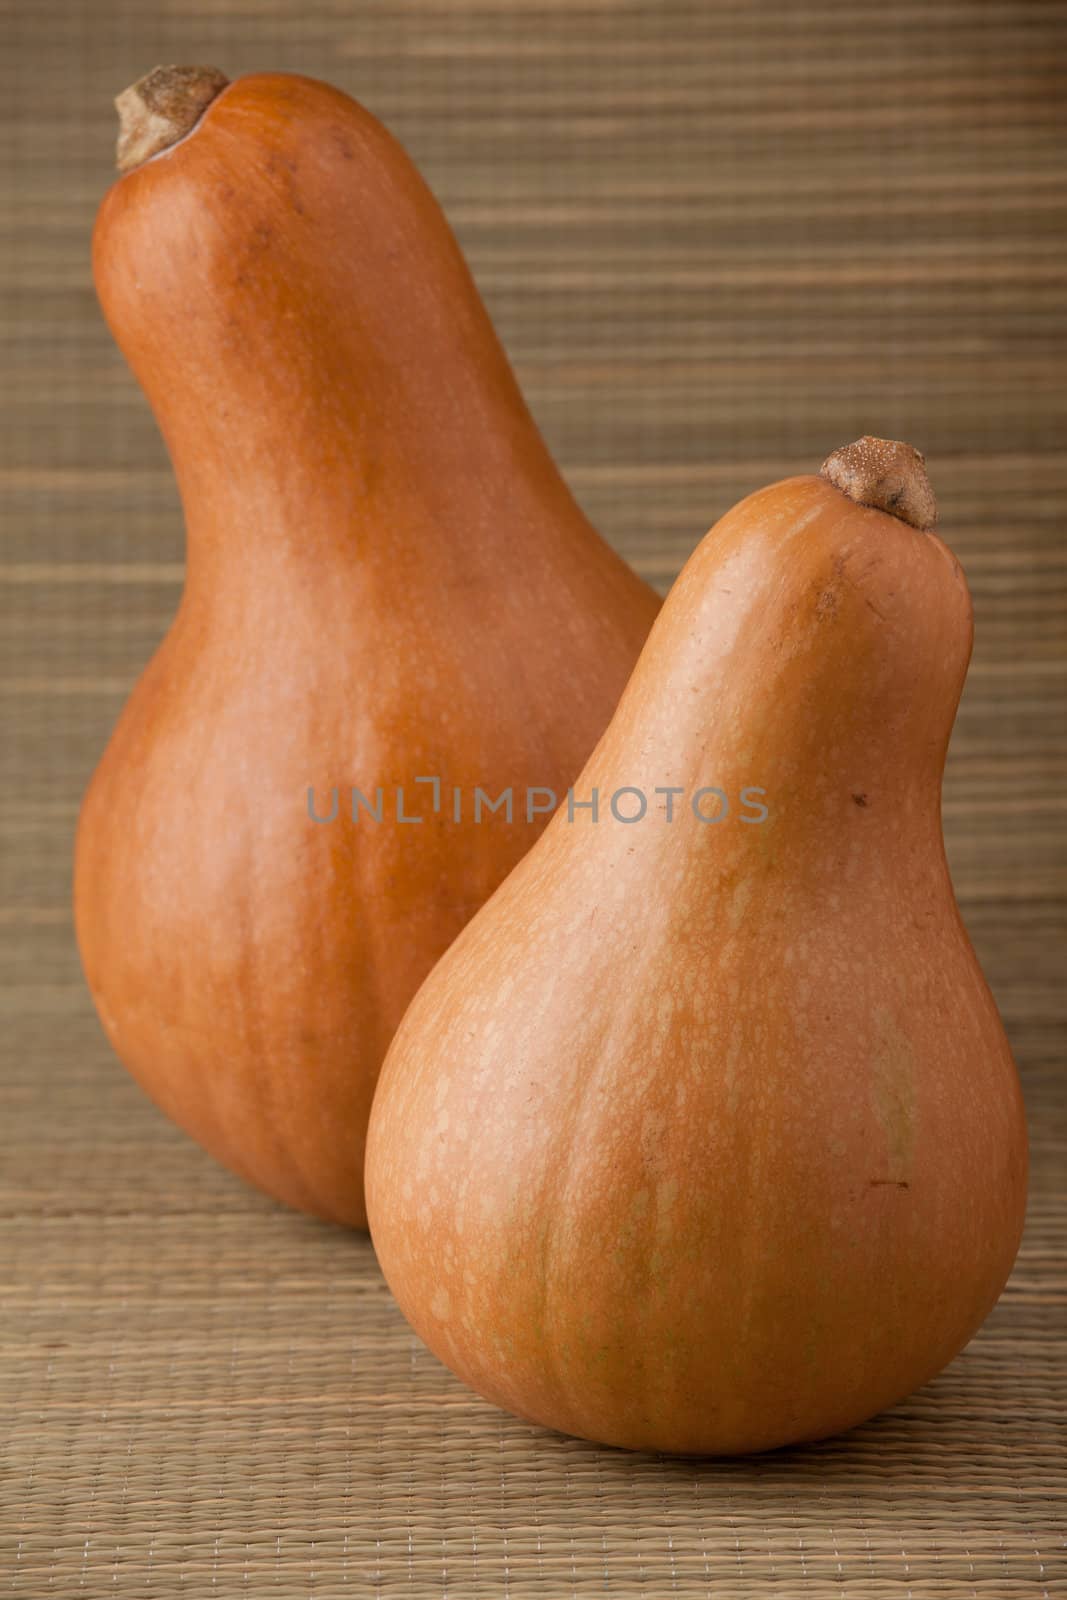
pixel 719 238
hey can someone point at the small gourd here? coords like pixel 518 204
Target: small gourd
pixel 705 1135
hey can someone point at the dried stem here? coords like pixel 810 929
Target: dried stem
pixel 885 474
pixel 161 108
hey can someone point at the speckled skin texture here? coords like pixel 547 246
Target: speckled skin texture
pixel 708 1138
pixel 387 578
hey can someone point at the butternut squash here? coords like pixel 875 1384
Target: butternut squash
pixel 705 1135
pixel 387 581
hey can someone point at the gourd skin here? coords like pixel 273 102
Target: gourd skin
pixel 387 579
pixel 708 1139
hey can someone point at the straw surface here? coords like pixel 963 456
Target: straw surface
pixel 720 238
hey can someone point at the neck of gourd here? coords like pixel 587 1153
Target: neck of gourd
pixel 812 654
pixel 316 354
pixel 393 478
pixel 291 445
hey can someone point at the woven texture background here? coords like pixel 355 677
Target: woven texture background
pixel 719 237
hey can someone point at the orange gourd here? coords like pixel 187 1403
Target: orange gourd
pixel 387 580
pixel 705 1135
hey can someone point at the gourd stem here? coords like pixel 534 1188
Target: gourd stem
pixel 885 474
pixel 161 108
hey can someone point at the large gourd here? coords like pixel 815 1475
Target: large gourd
pixel 387 580
pixel 705 1135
